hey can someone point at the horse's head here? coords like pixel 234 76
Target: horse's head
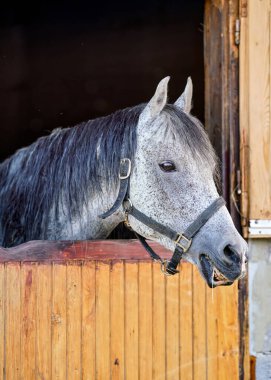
pixel 173 181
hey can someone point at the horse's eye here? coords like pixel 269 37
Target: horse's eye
pixel 167 166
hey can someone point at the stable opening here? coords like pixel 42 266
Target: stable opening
pixel 66 62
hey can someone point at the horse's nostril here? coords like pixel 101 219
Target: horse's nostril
pixel 231 255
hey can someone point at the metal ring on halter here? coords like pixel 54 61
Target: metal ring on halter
pixel 164 268
pixel 130 205
pixel 124 161
pixel 130 202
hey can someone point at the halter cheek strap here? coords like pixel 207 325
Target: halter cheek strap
pixel 182 241
pixel 124 175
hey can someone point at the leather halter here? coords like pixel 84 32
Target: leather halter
pixel 182 241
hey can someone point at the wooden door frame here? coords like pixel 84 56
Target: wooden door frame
pixel 221 61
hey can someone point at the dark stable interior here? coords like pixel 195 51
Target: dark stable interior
pixel 65 62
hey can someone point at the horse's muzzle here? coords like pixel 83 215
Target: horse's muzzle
pixel 224 269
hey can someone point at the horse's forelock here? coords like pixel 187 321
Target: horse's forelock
pixel 191 133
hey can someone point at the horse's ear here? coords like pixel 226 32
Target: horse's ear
pixel 157 102
pixel 184 102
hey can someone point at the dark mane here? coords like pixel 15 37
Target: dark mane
pixel 70 166
pixel 67 166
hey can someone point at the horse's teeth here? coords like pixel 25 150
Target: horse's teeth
pixel 218 275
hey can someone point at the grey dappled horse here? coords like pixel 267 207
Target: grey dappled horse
pixel 58 187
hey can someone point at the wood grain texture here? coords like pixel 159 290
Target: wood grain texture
pixel 228 332
pixel 28 320
pixel 221 66
pixel 186 322
pixel 131 322
pixel 244 124
pixel 259 109
pixel 88 320
pixel 212 347
pixel 59 321
pixel 199 327
pixel 43 321
pixel 145 320
pixel 255 99
pixel 53 251
pixel 102 321
pixel 2 320
pixel 74 321
pixel 243 319
pixel 158 324
pixel 115 320
pixel 13 322
pixel 117 358
pixel 172 327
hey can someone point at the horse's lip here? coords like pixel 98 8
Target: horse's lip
pixel 211 273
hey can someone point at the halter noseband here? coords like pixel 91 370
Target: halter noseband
pixel 182 241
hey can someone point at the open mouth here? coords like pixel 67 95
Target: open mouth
pixel 211 274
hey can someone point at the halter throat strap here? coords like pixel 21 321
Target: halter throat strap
pixel 182 241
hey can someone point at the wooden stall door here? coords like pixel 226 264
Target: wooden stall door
pixel 255 108
pixel 223 40
pixel 86 312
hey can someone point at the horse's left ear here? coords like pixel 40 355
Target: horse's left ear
pixel 184 102
pixel 157 102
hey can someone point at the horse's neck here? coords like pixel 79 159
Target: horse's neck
pixel 88 224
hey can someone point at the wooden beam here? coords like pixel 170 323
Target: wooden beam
pixel 41 250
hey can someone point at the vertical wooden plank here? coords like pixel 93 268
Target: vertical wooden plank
pixel 59 321
pixel 28 320
pixel 186 322
pixel 221 92
pixel 259 109
pixel 159 324
pixel 212 308
pixel 131 321
pixel 13 321
pixel 102 321
pixel 243 323
pixel 117 320
pixel 2 320
pixel 244 359
pixel 44 309
pixel 199 327
pixel 172 328
pixel 244 121
pixel 213 66
pixel 74 320
pixel 88 320
pixel 145 320
pixel 228 334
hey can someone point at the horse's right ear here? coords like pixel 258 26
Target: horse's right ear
pixel 184 102
pixel 157 102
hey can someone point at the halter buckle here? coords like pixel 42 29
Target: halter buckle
pixel 183 242
pixel 125 170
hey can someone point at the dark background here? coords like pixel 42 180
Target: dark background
pixel 65 62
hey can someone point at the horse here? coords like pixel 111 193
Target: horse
pixel 154 157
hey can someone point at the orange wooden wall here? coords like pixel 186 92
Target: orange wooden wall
pixel 91 318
